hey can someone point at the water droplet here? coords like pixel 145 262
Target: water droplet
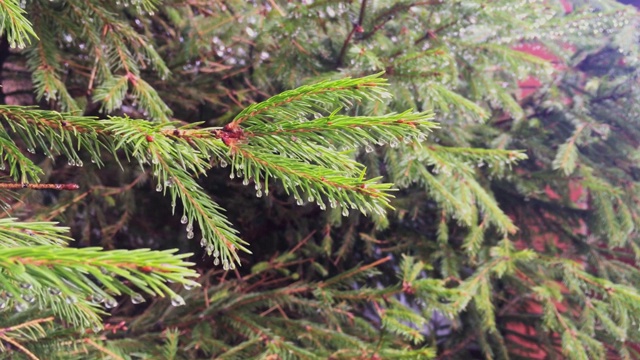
pixel 393 143
pixel 79 163
pixel 97 298
pixel 259 193
pixel 203 242
pixel 26 285
pixel 189 227
pixel 159 188
pixel 177 300
pixel 137 299
pixel 216 261
pixel 184 219
pixel 28 297
pixel 190 235
pixel 223 163
pixel 245 181
pixel 225 264
pixel 216 253
pixel 21 306
pixel 54 291
pixel 190 285
pixel 110 303
pixel 232 265
pixel 209 249
pixel 71 162
pixel 300 202
pixel 345 211
pixel 71 299
pixel 368 148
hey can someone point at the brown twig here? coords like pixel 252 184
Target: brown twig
pixel 14 186
pixel 24 350
pixel 356 27
pixel 103 349
pixel 28 323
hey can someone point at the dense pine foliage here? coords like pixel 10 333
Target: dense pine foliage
pixel 481 202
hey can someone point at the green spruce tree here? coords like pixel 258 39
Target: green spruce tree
pixel 178 97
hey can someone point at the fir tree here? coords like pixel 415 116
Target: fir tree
pixel 457 269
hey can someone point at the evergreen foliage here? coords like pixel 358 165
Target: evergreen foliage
pixel 513 234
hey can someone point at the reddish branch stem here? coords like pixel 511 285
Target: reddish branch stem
pixel 70 186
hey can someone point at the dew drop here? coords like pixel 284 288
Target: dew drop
pixel 225 265
pixel 97 298
pixel 110 303
pixel 209 249
pixel 216 261
pixel 190 285
pixel 184 219
pixel 159 188
pixel 190 235
pixel 216 253
pixel 345 211
pixel 223 163
pixel 203 242
pixel 368 148
pixel 189 227
pixel 177 301
pixel 20 306
pixel 71 299
pixel 232 265
pixel 54 291
pixel 300 202
pixel 245 181
pixel 26 285
pixel 137 299
pixel 28 297
pixel 259 193
pixel 393 143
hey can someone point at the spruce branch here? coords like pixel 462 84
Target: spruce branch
pixel 14 23
pixel 179 155
pixel 308 100
pixel 86 277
